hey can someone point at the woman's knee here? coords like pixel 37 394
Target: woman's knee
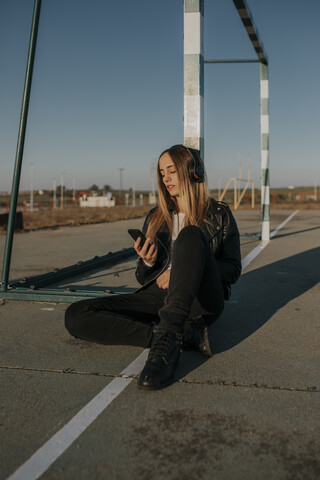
pixel 191 231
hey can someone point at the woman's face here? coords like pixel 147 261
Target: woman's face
pixel 169 175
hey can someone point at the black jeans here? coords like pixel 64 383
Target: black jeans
pixel 195 288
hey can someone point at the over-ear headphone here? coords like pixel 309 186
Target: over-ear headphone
pixel 196 168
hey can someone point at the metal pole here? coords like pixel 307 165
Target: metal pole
pixel 133 195
pixel 61 191
pixel 193 75
pixel 31 186
pixel 20 146
pixel 252 195
pixel 74 190
pixel 54 184
pixel 232 61
pixel 120 170
pixel 264 121
pixel 240 174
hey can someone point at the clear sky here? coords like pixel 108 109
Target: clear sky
pixel 107 90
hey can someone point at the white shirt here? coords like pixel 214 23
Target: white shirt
pixel 177 225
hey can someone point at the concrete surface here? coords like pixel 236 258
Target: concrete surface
pixel 41 251
pixel 251 411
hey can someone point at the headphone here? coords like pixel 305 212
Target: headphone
pixel 196 169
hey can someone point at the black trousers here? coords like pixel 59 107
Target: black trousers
pixel 195 288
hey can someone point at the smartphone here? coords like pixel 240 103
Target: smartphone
pixel 135 234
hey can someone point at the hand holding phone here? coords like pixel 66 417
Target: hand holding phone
pixel 143 246
pixel 135 234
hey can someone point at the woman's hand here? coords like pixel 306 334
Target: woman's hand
pixel 163 279
pixel 148 252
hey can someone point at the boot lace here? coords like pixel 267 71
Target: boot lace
pixel 161 345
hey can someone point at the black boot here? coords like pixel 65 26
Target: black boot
pixel 196 336
pixel 162 360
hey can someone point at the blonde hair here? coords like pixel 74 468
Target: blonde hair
pixel 195 195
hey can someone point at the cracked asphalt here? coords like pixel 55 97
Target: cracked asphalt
pixel 251 411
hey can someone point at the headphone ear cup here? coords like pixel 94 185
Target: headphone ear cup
pixel 196 169
pixel 199 171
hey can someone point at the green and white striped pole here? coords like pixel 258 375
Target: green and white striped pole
pixel 265 180
pixel 193 75
pixel 252 31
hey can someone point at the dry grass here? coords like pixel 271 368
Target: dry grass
pixel 80 216
pixel 75 216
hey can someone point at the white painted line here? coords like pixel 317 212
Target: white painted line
pixel 255 252
pixel 43 458
pixel 274 232
pixel 58 444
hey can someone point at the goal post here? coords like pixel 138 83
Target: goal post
pixel 194 90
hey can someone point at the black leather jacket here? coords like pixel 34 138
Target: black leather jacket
pixel 221 232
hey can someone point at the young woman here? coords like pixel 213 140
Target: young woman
pixel 186 265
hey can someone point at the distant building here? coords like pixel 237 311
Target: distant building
pixel 88 200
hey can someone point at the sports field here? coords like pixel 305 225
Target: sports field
pixel 71 409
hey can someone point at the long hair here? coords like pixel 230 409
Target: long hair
pixel 195 195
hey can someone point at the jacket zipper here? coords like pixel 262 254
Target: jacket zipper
pixel 163 269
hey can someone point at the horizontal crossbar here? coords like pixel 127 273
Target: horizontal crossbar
pixel 233 61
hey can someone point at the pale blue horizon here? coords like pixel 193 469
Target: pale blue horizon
pixel 107 90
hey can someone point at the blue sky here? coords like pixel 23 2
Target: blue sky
pixel 107 90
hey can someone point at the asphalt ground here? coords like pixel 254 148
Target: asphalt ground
pixel 42 251
pixel 251 411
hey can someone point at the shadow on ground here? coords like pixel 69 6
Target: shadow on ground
pixel 256 297
pixel 259 294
